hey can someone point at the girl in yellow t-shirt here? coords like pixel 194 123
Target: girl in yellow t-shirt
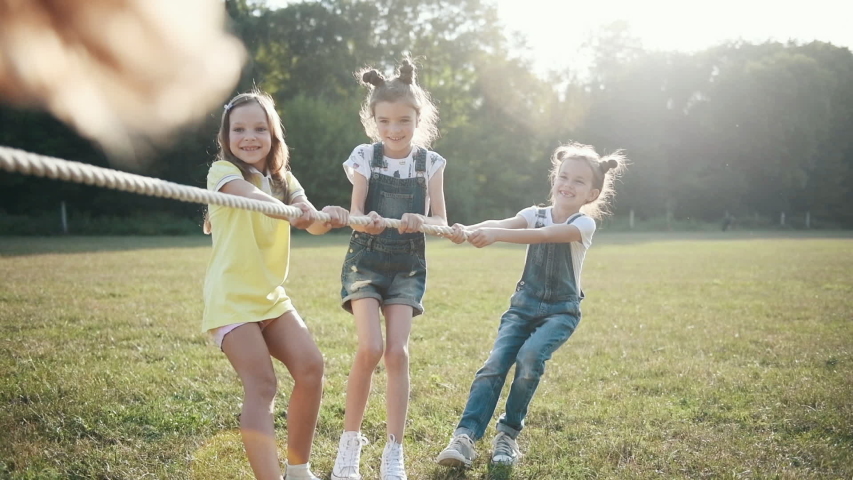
pixel 246 308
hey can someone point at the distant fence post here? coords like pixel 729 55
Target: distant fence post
pixel 782 219
pixel 64 217
pixel 808 219
pixel 631 219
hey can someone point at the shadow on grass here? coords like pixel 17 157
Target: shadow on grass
pixel 499 472
pixel 493 472
pixel 445 473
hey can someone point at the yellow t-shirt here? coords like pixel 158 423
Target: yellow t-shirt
pixel 248 266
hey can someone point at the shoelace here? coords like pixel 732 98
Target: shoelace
pixel 462 444
pixel 394 463
pixel 351 455
pixel 505 445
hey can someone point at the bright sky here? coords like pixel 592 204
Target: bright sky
pixel 555 29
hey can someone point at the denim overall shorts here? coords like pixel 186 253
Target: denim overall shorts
pixel 390 266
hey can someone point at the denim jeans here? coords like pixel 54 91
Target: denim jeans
pixel 529 333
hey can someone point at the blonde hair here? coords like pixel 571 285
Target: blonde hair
pixel 402 88
pixel 277 161
pixel 605 170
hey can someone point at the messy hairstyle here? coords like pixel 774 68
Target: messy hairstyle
pixel 605 170
pixel 402 88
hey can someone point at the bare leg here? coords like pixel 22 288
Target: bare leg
pixel 398 325
pixel 367 356
pixel 289 341
pixel 246 350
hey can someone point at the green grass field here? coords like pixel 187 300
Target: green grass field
pixel 698 356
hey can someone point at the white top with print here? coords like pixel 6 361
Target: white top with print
pixel 359 161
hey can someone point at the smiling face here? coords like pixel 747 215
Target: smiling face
pixel 396 123
pixel 249 136
pixel 573 185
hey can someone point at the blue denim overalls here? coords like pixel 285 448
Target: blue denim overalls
pixel 544 312
pixel 389 267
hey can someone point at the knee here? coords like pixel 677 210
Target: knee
pixel 529 364
pixel 495 366
pixel 261 389
pixel 396 356
pixel 369 355
pixel 310 370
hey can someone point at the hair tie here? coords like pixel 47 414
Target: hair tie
pixel 607 165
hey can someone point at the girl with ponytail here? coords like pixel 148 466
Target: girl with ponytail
pixel 545 307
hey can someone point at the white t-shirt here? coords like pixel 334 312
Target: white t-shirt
pixel 585 224
pixel 359 161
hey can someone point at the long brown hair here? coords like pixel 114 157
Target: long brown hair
pixel 277 161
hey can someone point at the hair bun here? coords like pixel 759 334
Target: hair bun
pixel 373 77
pixel 407 72
pixel 608 164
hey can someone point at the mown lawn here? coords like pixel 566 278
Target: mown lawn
pixel 698 356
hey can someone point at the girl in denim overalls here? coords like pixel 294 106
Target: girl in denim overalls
pixel 385 269
pixel 545 308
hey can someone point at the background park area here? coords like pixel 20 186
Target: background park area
pixel 702 353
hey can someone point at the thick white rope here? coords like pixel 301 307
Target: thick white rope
pixel 20 161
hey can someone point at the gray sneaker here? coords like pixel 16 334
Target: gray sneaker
pixel 459 453
pixel 504 450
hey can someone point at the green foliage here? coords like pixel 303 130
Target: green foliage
pixel 739 127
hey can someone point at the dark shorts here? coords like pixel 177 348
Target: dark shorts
pixel 391 271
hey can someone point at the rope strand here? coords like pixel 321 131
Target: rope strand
pixel 27 163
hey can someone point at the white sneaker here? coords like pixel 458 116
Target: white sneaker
pixel 349 456
pixel 392 467
pixel 504 450
pixel 459 453
pixel 299 472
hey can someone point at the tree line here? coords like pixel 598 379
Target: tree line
pixel 754 130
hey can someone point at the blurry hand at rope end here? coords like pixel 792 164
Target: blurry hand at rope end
pixel 124 73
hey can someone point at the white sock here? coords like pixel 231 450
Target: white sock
pixel 299 471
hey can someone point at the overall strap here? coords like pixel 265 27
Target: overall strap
pixel 378 160
pixel 540 217
pixel 573 218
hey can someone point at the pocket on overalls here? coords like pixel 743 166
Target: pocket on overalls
pixel 517 298
pixel 394 205
pixel 354 253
